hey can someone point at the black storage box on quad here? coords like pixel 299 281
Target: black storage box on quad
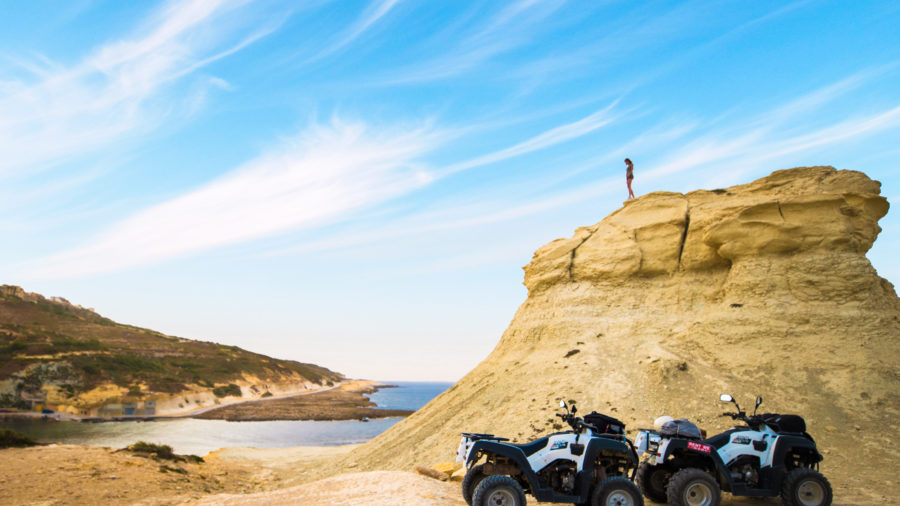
pixel 785 423
pixel 605 424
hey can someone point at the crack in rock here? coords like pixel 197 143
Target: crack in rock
pixel 572 258
pixel 687 224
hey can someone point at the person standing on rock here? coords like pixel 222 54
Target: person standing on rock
pixel 629 176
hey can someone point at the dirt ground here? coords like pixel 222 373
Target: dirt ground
pixel 68 474
pixel 375 488
pixel 346 402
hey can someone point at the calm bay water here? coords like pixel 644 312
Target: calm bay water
pixel 408 394
pixel 190 436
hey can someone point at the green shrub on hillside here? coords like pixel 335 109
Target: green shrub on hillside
pixel 11 439
pixel 63 344
pixel 230 389
pixel 161 452
pixel 12 401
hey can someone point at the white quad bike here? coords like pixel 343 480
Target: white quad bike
pixel 592 464
pixel 772 454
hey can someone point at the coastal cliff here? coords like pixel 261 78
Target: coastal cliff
pixel 762 288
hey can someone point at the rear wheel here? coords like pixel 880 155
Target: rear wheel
pixel 470 482
pixel 693 487
pixel 806 487
pixel 652 481
pixel 616 491
pixel 498 491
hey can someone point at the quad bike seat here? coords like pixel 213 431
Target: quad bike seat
pixel 789 424
pixel 534 446
pixel 681 428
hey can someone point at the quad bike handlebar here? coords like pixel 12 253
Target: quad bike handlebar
pixel 754 421
pixel 576 422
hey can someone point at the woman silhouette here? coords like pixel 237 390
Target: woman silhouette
pixel 629 176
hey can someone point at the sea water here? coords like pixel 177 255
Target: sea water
pixel 199 437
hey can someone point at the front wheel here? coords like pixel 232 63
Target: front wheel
pixel 693 487
pixel 652 481
pixel 470 482
pixel 498 490
pixel 616 491
pixel 806 487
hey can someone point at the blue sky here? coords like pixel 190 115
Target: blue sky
pixel 358 183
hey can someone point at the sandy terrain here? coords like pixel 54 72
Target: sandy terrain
pixel 68 474
pixel 376 488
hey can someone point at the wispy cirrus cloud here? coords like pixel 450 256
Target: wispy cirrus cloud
pixel 324 174
pixel 551 137
pixel 52 111
pixel 374 12
pixel 489 37
pixel 318 177
pixel 754 143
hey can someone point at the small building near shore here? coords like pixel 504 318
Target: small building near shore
pixel 37 401
pixel 145 408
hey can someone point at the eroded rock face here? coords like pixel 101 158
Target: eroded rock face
pixel 761 288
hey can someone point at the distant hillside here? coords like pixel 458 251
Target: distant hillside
pixel 71 355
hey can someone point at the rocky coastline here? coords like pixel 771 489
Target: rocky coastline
pixel 346 402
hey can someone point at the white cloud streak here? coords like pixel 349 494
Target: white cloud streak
pixel 544 140
pixel 771 137
pixel 487 40
pixel 59 112
pixel 367 19
pixel 321 176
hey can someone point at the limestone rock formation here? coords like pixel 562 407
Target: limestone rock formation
pixel 761 288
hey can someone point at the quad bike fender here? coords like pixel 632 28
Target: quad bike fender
pixel 798 444
pixel 513 453
pixel 701 452
pixel 596 445
pixel 785 447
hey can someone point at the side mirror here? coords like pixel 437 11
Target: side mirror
pixel 726 398
pixel 562 404
pixel 574 409
pixel 758 402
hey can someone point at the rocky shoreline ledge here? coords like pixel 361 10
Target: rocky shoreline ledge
pixel 346 402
